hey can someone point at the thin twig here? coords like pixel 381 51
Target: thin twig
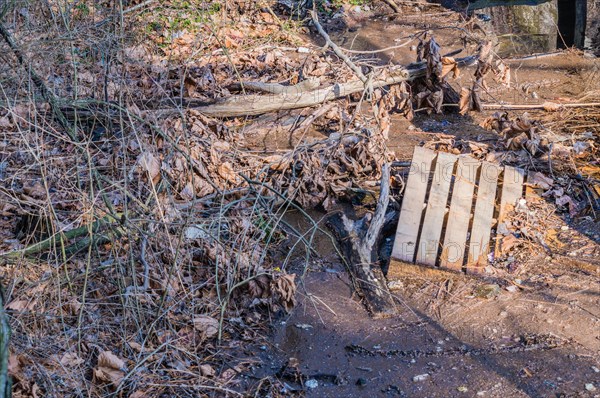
pixel 146 284
pixel 338 51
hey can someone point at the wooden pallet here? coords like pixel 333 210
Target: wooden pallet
pixel 451 203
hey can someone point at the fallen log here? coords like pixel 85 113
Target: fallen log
pixel 251 105
pixel 360 246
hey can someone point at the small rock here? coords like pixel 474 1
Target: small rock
pixel 361 382
pixel 512 288
pixel 311 383
pixel 590 387
pixel 422 377
pixel 481 393
pixel 462 389
pixel 487 291
pixel 595 369
pixel 565 227
pixel 303 50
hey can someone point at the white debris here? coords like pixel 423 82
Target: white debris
pixel 590 387
pixel 311 383
pixel 422 377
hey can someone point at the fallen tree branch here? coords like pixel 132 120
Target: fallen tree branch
pixel 251 105
pixel 277 88
pixel 393 5
pixel 547 106
pixel 50 242
pixel 361 252
pixel 382 205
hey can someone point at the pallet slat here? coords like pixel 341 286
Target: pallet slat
pixel 483 216
pixel 512 190
pixel 412 205
pixel 429 240
pixel 460 214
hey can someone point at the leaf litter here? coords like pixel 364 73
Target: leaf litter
pixel 207 206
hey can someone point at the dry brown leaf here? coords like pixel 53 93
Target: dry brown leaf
pixel 36 190
pixel 136 346
pixel 449 64
pixel 465 103
pixel 503 73
pixel 284 287
pixel 71 359
pixel 207 370
pixel 14 365
pixel 110 369
pixel 539 180
pixel 73 307
pixel 150 164
pixel 551 106
pixel 508 242
pixel 551 238
pixel 226 171
pixel 5 122
pixel 21 305
pixel 276 162
pixel 207 325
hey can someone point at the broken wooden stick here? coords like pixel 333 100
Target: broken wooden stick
pixel 277 88
pixel 359 246
pixel 393 5
pixel 547 106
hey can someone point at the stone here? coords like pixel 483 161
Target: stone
pixel 487 291
pixel 422 377
pixel 590 387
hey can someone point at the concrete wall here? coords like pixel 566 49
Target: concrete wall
pixel 524 29
pixel 592 30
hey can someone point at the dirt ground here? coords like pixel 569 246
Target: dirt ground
pixel 537 335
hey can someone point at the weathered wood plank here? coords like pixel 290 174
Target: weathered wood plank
pixel 483 216
pixel 429 242
pixel 512 190
pixel 412 205
pixel 460 214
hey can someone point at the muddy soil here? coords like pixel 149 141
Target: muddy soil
pixel 541 339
